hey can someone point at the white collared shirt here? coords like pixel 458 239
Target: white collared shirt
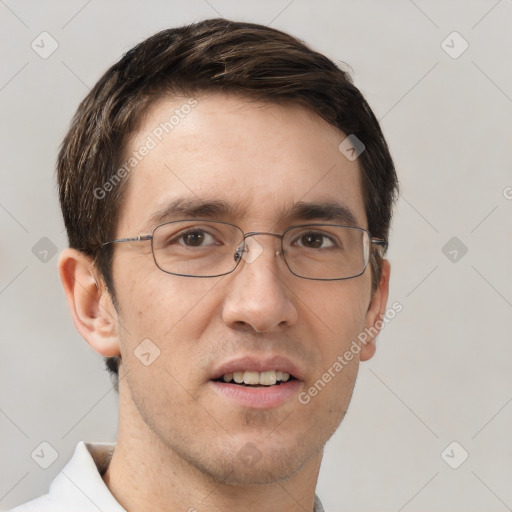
pixel 79 487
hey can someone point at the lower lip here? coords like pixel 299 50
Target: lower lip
pixel 260 397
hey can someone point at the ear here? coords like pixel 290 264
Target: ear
pixel 91 306
pixel 376 311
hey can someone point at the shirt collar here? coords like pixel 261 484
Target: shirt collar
pixel 80 484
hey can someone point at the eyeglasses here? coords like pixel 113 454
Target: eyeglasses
pixel 203 248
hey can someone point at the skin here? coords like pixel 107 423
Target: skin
pixel 179 442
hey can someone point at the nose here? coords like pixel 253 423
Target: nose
pixel 258 298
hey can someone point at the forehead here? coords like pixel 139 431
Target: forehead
pixel 259 160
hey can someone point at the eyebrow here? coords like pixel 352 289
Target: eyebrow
pixel 325 210
pixel 183 208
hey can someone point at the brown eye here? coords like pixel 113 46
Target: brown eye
pixel 194 238
pixel 313 241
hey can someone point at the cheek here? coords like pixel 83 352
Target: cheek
pixel 166 317
pixel 158 305
pixel 339 313
pixel 162 325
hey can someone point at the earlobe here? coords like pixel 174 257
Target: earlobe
pixel 93 312
pixel 375 313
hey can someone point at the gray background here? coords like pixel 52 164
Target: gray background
pixel 443 365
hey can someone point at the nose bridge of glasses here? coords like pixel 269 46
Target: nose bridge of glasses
pixel 253 233
pixel 245 245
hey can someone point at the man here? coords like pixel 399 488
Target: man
pixel 227 194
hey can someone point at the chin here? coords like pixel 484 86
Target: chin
pixel 251 467
pixel 249 460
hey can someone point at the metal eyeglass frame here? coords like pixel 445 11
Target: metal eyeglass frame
pixel 238 253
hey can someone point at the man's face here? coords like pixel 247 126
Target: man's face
pixel 261 160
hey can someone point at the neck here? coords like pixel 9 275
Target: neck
pixel 145 474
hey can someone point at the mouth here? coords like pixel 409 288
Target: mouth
pixel 253 379
pixel 257 383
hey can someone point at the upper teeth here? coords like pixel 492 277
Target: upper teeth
pixel 263 378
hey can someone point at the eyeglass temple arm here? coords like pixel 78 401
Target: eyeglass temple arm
pixel 380 242
pixel 141 238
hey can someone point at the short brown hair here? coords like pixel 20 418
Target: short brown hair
pixel 215 55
